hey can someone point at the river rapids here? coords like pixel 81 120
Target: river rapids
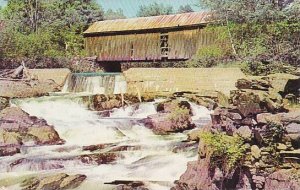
pixel 154 162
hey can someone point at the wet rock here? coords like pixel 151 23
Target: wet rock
pixel 35 164
pixel 18 128
pixel 196 177
pixel 124 148
pixel 103 102
pixel 98 158
pixel 72 182
pixel 164 123
pixel 185 147
pixel 9 150
pixel 129 185
pixel 93 148
pixel 282 179
pixel 170 105
pixel 58 182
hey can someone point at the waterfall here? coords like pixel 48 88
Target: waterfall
pixel 95 83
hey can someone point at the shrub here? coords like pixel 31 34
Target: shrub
pixel 223 150
pixel 258 67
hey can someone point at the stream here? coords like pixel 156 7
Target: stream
pixel 151 159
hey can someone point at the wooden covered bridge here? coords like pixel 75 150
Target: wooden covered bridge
pixel 157 38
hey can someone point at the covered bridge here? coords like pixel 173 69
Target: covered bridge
pixel 157 38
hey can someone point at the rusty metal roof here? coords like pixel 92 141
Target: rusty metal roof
pixel 147 23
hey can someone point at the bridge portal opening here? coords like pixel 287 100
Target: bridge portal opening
pixel 112 67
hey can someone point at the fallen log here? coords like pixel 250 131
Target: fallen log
pixel 17 72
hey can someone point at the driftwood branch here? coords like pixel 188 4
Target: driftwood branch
pixel 17 72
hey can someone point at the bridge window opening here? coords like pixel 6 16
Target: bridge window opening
pixel 164 45
pixel 131 52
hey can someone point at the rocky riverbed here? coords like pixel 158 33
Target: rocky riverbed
pixel 267 130
pixel 199 140
pixel 131 147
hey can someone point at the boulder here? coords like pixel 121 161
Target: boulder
pixel 130 185
pixel 4 102
pixel 177 120
pixel 282 179
pixel 256 84
pixel 98 158
pixel 244 132
pixel 255 151
pixel 57 181
pixel 17 128
pixel 93 148
pixel 171 105
pixel 196 177
pixel 264 118
pixel 103 102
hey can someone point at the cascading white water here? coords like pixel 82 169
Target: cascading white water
pixel 154 162
pixel 95 83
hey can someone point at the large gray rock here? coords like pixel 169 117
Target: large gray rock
pixel 244 132
pixel 282 179
pixel 17 128
pixel 196 177
pixel 164 123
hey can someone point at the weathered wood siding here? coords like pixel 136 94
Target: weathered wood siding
pixel 182 45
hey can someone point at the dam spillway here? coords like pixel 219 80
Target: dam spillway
pixel 95 83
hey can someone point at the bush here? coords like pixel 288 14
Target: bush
pixel 223 150
pixel 257 67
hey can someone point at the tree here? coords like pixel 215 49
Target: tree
pixel 185 9
pixel 154 9
pixel 112 15
pixel 36 28
pixel 262 29
pixel 245 11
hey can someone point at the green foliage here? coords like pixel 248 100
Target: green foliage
pixel 112 15
pixel 212 54
pixel 276 131
pixel 260 28
pixel 245 11
pixel 46 28
pixel 154 9
pixel 185 9
pixel 223 150
pixel 259 68
pixel 179 114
